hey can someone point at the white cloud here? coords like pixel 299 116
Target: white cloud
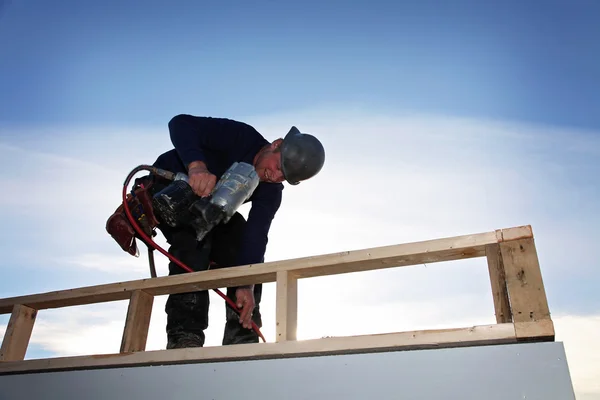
pixel 580 337
pixel 387 180
pixel 110 264
pixel 89 329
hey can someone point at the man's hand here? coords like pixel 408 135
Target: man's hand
pixel 200 179
pixel 245 302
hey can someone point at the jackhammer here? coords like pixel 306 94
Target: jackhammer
pixel 177 205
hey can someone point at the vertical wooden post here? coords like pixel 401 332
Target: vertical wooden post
pixel 287 306
pixel 498 283
pixel 18 333
pixel 137 323
pixel 526 289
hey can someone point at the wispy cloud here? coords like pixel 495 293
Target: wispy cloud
pixel 388 179
pixel 81 330
pixel 114 264
pixel 579 334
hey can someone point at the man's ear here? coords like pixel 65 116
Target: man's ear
pixel 276 144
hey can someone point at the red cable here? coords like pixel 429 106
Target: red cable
pixel 169 256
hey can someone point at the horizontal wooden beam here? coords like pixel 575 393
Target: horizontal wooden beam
pixel 446 249
pixel 540 331
pixel 429 339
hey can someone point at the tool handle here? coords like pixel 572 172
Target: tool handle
pixel 172 176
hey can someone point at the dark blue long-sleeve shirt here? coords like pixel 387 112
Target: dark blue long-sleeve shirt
pixel 220 142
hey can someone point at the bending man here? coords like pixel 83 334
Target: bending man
pixel 204 148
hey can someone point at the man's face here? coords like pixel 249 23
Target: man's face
pixel 268 164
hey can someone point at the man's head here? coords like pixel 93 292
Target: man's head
pixel 295 158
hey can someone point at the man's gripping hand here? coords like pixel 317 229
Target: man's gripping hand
pixel 200 178
pixel 245 302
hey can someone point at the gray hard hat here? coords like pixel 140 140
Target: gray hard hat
pixel 302 156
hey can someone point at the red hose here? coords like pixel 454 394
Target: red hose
pixel 149 240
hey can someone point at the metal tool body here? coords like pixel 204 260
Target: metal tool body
pixel 177 204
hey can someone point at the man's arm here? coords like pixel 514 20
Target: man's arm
pixel 192 136
pixel 201 180
pixel 265 203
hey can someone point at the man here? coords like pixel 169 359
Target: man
pixel 204 148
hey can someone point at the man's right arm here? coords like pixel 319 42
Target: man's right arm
pixel 191 136
pixel 201 179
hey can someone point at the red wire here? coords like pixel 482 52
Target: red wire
pixel 171 257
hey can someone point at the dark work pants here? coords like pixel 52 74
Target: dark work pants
pixel 187 313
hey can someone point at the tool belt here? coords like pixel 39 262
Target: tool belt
pixel 139 202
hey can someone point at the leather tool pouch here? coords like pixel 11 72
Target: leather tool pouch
pixel 140 206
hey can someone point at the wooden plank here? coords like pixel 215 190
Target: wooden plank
pixel 137 323
pixel 446 249
pixel 18 332
pixel 516 233
pixel 524 281
pixel 287 306
pixel 181 283
pixel 430 339
pixel 542 330
pixel 498 283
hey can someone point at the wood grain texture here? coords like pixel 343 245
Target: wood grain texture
pixel 18 332
pixel 137 323
pixel 519 292
pixel 540 331
pixel 516 233
pixel 498 284
pixel 438 250
pixel 286 306
pixel 430 339
pixel 524 281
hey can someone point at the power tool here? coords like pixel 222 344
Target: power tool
pixel 177 204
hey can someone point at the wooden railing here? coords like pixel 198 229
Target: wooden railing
pixel 519 296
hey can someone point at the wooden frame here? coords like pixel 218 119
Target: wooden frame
pixel 520 304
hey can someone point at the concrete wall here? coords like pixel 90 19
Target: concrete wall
pixel 520 372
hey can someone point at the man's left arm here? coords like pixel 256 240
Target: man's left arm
pixel 265 203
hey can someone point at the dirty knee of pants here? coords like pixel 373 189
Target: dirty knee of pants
pixel 187 312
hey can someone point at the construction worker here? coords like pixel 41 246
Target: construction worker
pixel 204 148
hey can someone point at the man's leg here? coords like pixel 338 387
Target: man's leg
pixel 187 313
pixel 234 332
pixel 225 248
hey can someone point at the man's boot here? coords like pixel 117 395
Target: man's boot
pixel 184 339
pixel 187 313
pixel 187 318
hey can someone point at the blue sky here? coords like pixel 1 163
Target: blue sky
pixel 138 63
pixel 484 116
